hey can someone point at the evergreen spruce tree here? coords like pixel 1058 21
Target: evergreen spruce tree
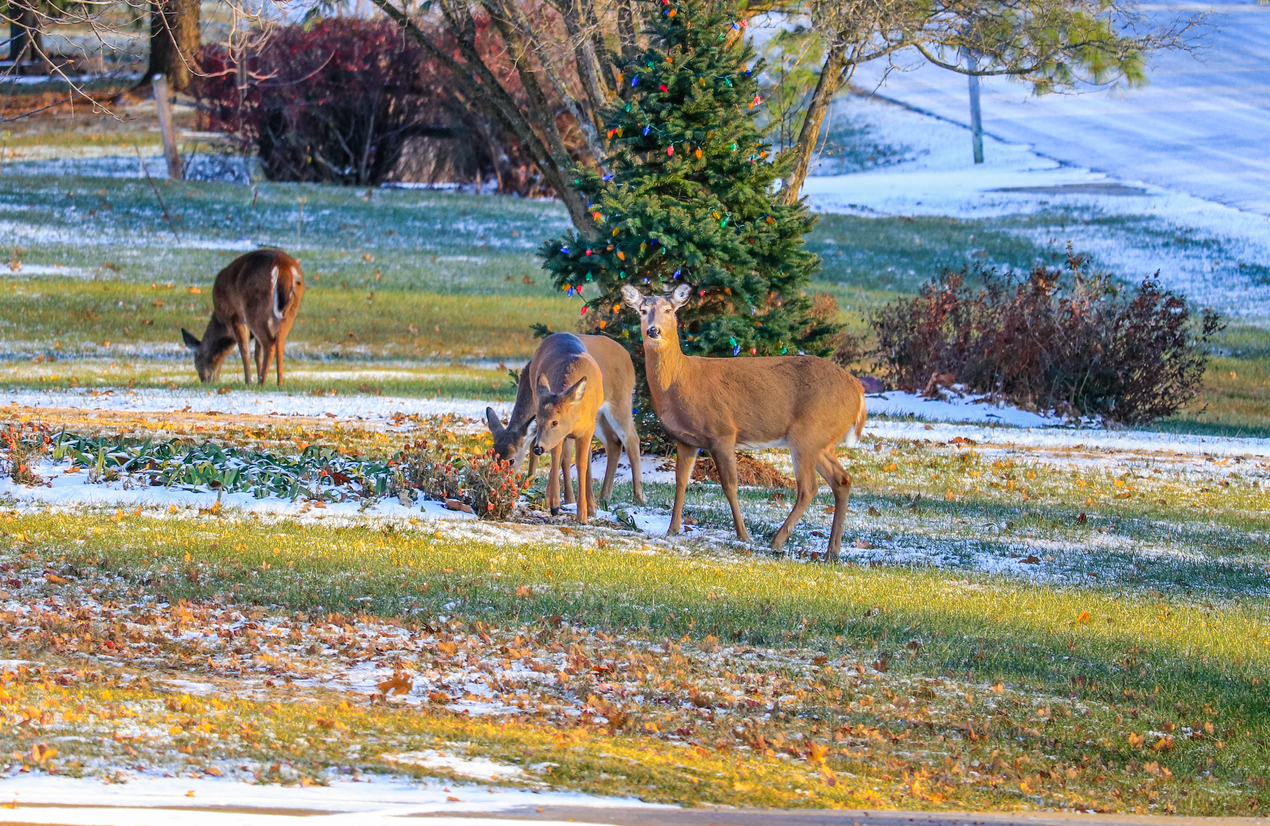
pixel 691 198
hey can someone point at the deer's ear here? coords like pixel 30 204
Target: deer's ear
pixel 544 386
pixel 631 297
pixel 578 390
pixel 680 296
pixel 495 426
pixel 189 339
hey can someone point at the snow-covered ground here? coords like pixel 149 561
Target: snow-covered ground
pixel 248 402
pixel 147 800
pixel 1182 162
pixel 935 419
pixel 1199 126
pixel 1202 248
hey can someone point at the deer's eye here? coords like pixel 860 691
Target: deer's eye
pixel 554 422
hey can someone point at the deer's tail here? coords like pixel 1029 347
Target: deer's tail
pixel 853 435
pixel 283 293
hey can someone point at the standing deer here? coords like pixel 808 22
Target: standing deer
pixel 801 402
pixel 568 392
pixel 615 421
pixel 256 296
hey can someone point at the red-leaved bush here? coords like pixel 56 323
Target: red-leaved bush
pixel 340 101
pixel 1067 339
pixel 488 485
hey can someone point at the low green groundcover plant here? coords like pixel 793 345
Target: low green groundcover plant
pixel 452 473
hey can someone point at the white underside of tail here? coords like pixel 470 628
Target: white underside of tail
pixel 853 435
pixel 278 306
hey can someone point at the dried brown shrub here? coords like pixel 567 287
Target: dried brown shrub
pixel 1065 338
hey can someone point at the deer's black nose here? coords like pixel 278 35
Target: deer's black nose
pixel 653 332
pixel 538 451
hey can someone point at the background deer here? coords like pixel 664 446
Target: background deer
pixel 801 402
pixel 256 296
pixel 615 421
pixel 568 391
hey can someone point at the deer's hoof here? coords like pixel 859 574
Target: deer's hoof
pixel 555 511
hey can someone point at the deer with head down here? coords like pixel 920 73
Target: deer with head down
pixel 804 403
pixel 614 420
pixel 256 296
pixel 568 392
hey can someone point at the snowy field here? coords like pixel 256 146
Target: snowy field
pixel 1198 128
pixel 1172 177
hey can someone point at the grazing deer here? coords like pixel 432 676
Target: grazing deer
pixel 256 296
pixel 615 421
pixel 568 392
pixel 801 402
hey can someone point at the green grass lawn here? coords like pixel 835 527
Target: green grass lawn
pixel 873 687
pixel 405 274
pixel 1017 627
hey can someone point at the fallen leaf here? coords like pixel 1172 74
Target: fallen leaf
pixel 399 684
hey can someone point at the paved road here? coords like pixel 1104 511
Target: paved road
pixel 768 817
pixel 1202 126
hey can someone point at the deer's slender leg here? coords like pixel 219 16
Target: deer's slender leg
pixel 840 481
pixel 282 343
pixel 630 440
pixel 264 355
pixel 586 496
pixel 724 456
pixel 805 478
pixel 566 467
pixel 685 458
pixel 553 480
pixel 612 452
pixel 243 334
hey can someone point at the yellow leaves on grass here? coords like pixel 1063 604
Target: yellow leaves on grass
pixel 42 753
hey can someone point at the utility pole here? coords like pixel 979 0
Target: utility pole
pixel 976 118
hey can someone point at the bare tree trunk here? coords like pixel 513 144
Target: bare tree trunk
pixel 26 42
pixel 174 42
pixel 482 86
pixel 831 78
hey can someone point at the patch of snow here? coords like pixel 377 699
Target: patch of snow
pixel 477 768
pixel 1105 440
pixel 250 402
pixel 73 491
pixel 147 800
pixel 964 408
pixel 44 269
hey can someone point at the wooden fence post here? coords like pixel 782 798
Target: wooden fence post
pixel 163 103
